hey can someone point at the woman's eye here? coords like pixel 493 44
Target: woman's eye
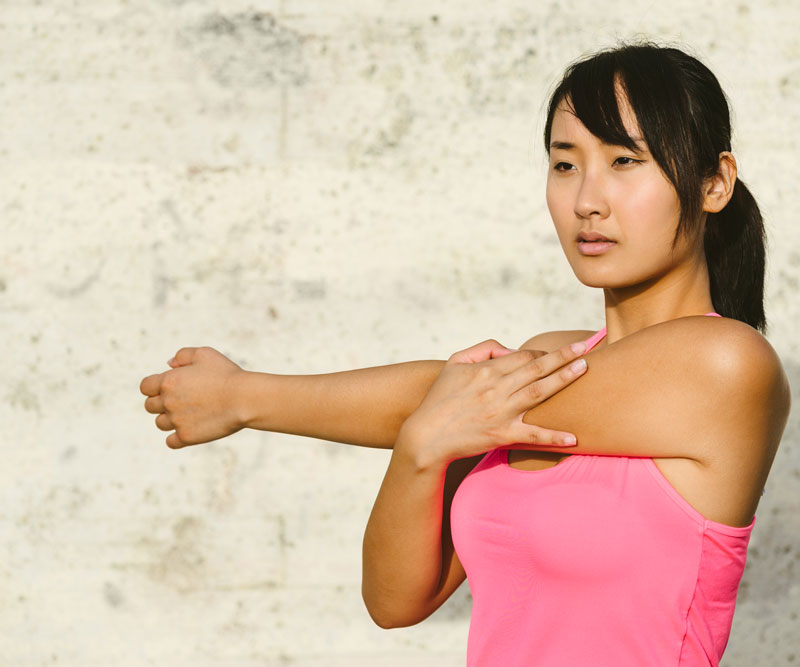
pixel 630 160
pixel 562 166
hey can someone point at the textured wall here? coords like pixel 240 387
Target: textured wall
pixel 307 186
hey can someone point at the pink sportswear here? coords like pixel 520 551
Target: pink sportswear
pixel 594 562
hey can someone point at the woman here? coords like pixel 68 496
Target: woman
pixel 630 554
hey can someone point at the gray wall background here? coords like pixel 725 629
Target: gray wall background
pixel 307 186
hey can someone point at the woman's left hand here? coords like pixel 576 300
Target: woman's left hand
pixel 478 401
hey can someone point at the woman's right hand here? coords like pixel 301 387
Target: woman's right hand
pixel 479 399
pixel 198 398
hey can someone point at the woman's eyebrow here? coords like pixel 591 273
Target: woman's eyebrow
pixel 567 145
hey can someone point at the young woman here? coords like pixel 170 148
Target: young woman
pixel 626 548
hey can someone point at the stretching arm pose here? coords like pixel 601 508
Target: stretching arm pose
pixel 644 193
pixel 206 396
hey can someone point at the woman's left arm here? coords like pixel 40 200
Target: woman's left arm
pixel 696 387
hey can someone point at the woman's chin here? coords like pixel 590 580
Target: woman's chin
pixel 604 279
pixel 592 278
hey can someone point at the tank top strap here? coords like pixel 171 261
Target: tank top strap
pixel 596 338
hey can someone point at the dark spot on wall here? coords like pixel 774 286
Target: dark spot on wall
pixel 789 84
pixel 247 49
pixel 112 595
pixel 21 396
pixel 397 124
pixel 162 286
pixel 178 562
pixel 508 275
pixel 67 290
pixel 171 211
pixel 309 289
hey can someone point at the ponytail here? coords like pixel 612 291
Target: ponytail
pixel 736 253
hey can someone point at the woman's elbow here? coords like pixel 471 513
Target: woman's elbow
pixel 387 615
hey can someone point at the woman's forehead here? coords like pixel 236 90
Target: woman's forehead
pixel 566 122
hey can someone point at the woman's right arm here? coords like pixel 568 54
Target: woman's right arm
pixel 476 404
pixel 205 396
pixel 410 566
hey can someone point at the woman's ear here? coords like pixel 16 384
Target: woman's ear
pixel 718 189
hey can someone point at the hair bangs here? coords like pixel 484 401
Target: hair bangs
pixel 591 94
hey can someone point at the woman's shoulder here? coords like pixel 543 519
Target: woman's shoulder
pixel 725 352
pixel 741 373
pixel 727 347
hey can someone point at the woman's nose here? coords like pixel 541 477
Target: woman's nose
pixel 591 199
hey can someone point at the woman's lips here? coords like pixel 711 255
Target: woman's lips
pixel 595 247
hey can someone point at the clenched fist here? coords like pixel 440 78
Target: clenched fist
pixel 198 398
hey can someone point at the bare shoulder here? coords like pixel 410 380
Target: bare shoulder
pixel 730 350
pixel 657 389
pixel 746 395
pixel 552 340
pixel 745 404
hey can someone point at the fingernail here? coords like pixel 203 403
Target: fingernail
pixel 578 366
pixel 578 348
pixel 570 440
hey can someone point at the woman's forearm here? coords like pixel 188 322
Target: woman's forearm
pixel 402 580
pixel 361 407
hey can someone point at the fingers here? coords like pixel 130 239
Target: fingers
pixel 164 422
pixel 513 361
pixel 174 442
pixel 183 357
pixel 488 349
pixel 529 435
pixel 151 385
pixel 154 405
pixel 541 378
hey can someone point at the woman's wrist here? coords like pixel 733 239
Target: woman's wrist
pixel 252 395
pixel 419 448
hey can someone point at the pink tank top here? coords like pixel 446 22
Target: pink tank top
pixel 595 561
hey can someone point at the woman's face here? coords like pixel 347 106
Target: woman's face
pixel 598 190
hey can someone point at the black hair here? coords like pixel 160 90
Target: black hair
pixel 684 118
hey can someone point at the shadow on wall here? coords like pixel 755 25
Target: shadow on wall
pixel 774 555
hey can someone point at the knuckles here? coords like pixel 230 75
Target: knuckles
pixel 485 373
pixel 537 367
pixel 183 432
pixel 535 437
pixel 534 391
pixel 168 381
pixel 527 355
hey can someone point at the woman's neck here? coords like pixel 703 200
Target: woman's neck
pixel 684 292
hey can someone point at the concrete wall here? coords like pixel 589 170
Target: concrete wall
pixel 307 186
